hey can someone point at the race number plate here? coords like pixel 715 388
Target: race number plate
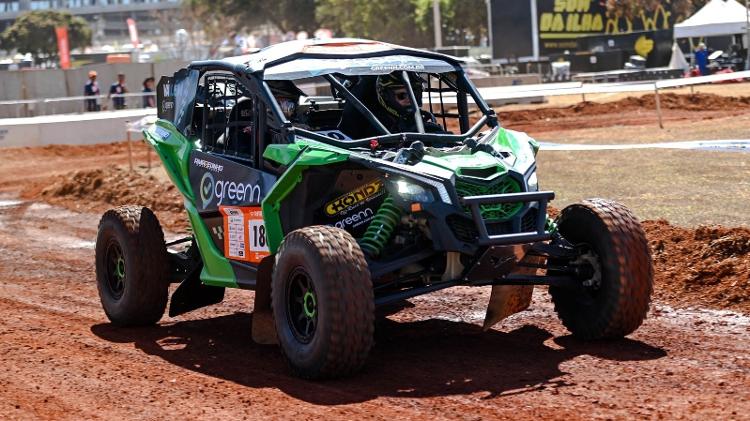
pixel 244 234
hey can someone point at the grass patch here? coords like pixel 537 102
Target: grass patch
pixel 688 188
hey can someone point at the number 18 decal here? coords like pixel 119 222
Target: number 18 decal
pixel 245 237
pixel 257 231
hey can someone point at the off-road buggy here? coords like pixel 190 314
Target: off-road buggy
pixel 326 227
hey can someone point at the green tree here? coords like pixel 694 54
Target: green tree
pixel 409 22
pixel 34 33
pixel 235 15
pixel 384 20
pixel 464 22
pixel 681 9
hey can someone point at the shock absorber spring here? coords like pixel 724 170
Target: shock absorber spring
pixel 381 228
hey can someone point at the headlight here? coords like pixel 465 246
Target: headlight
pixel 533 183
pixel 413 192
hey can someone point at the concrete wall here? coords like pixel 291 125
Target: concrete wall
pixel 80 129
pixel 510 80
pixel 36 84
pixel 11 85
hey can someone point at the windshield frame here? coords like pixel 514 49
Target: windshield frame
pixel 463 83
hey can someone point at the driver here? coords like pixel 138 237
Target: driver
pixel 392 106
pixel 287 94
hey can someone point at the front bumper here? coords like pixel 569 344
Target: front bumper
pixel 538 234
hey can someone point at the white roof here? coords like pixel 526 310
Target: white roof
pixel 717 17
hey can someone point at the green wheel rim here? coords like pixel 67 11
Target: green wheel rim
pixel 302 305
pixel 116 271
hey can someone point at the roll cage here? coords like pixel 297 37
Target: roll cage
pixel 250 72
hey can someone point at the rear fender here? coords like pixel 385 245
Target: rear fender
pixel 174 151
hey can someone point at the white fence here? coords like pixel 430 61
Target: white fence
pixel 109 126
pixel 494 95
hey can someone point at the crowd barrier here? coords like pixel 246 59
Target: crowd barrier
pixel 109 126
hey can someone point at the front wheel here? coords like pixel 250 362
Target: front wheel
pixel 614 300
pixel 323 303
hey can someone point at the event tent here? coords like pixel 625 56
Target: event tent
pixel 717 17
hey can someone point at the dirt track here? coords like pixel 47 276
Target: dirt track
pixel 62 360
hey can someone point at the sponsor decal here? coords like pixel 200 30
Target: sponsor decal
pixel 410 67
pixel 218 231
pixel 162 132
pixel 221 190
pixel 343 204
pixel 356 219
pixel 336 134
pixel 211 166
pixel 167 106
pixel 245 237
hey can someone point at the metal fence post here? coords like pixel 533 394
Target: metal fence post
pixel 130 147
pixel 658 105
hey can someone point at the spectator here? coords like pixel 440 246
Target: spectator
pixel 118 88
pixel 149 100
pixel 91 89
pixel 701 59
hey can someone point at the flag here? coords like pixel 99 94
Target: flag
pixel 63 47
pixel 133 32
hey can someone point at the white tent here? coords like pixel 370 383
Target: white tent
pixel 678 59
pixel 717 17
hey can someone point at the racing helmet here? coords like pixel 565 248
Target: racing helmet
pixel 287 94
pixel 386 86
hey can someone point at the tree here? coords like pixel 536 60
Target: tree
pixel 464 22
pixel 407 22
pixel 34 33
pixel 385 20
pixel 235 15
pixel 681 9
pixel 215 18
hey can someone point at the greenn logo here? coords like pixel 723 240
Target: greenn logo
pixel 207 189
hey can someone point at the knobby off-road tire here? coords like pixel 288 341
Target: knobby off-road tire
pixel 132 266
pixel 323 305
pixel 619 305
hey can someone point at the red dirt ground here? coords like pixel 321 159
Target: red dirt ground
pixel 627 111
pixel 61 359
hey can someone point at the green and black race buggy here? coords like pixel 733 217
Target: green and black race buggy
pixel 325 226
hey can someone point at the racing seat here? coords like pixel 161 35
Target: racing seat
pixel 237 136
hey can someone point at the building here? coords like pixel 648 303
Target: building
pixel 154 18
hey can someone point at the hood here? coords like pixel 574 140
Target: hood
pixel 495 154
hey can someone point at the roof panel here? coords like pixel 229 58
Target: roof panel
pixel 336 48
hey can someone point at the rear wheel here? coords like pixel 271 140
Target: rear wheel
pixel 614 297
pixel 131 266
pixel 322 302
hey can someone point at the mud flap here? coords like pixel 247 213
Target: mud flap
pixel 263 329
pixel 505 300
pixel 192 294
